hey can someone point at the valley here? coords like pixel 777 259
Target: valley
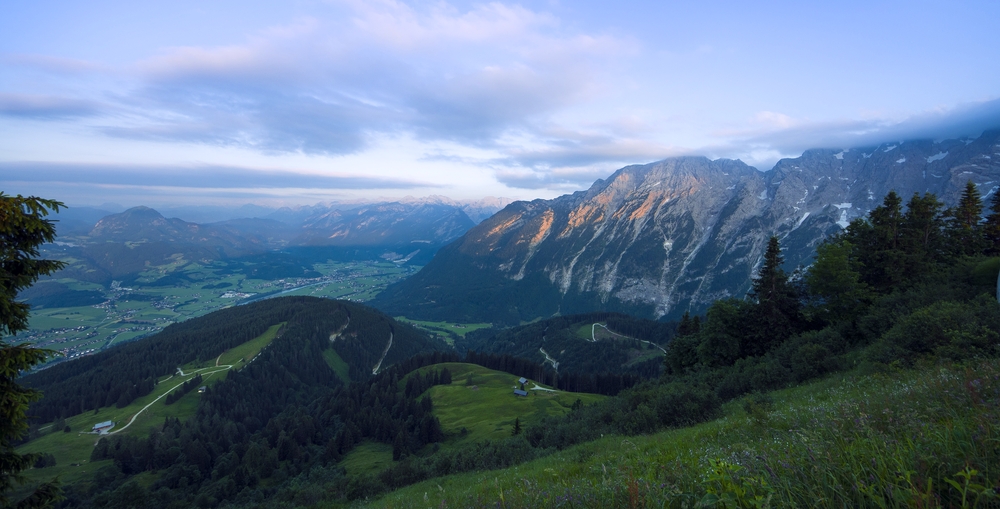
pixel 184 289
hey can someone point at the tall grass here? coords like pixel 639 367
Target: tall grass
pixel 926 438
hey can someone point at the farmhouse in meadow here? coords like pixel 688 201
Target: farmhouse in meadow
pixel 103 427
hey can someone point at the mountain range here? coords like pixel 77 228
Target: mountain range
pixel 112 245
pixel 659 239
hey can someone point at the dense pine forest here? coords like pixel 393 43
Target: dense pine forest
pixel 632 348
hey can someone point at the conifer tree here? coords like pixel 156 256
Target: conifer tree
pixel 776 314
pixel 878 243
pixel 23 228
pixel 688 325
pixel 517 427
pixel 834 283
pixel 923 244
pixel 965 229
pixel 991 230
pixel 398 446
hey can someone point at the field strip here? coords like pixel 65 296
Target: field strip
pixel 593 338
pixel 134 417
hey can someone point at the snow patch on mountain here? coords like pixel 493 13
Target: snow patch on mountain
pixel 937 157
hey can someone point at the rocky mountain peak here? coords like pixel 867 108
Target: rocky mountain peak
pixel 675 235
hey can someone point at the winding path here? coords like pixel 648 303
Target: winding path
pixel 555 363
pixel 593 337
pixel 225 367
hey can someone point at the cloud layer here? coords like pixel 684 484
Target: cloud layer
pixel 536 98
pixel 200 177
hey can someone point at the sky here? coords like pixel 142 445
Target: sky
pixel 226 102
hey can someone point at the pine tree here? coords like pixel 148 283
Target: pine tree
pixel 517 427
pixel 23 228
pixel 991 230
pixel 777 312
pixel 923 244
pixel 965 229
pixel 398 446
pixel 835 289
pixel 878 244
pixel 688 325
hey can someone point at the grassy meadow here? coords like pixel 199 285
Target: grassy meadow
pixel 447 331
pixel 469 413
pixel 72 450
pixel 487 407
pixel 921 438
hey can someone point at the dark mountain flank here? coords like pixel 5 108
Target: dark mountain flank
pixel 658 239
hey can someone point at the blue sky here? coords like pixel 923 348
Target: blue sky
pixel 230 102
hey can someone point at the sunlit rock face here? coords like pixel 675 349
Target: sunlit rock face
pixel 662 238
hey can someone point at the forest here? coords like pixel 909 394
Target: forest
pixel 576 354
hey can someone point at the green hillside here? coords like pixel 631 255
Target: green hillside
pixel 72 449
pixel 478 404
pixel 586 343
pixel 928 437
pixel 486 407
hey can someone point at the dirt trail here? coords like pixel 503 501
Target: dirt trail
pixel 386 352
pixel 555 363
pixel 593 337
pixel 143 409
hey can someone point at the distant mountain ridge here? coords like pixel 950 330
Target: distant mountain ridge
pixel 407 231
pixel 386 224
pixel 658 239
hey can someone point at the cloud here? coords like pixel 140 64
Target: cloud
pixel 566 180
pixel 774 136
pixel 45 107
pixel 194 177
pixel 50 64
pixel 323 86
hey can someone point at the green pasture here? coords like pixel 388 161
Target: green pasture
pixel 589 330
pixel 338 365
pixel 837 442
pixel 450 327
pixel 72 450
pixel 648 352
pixel 487 408
pixel 367 458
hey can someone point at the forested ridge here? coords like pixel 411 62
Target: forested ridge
pixel 119 375
pixel 576 354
